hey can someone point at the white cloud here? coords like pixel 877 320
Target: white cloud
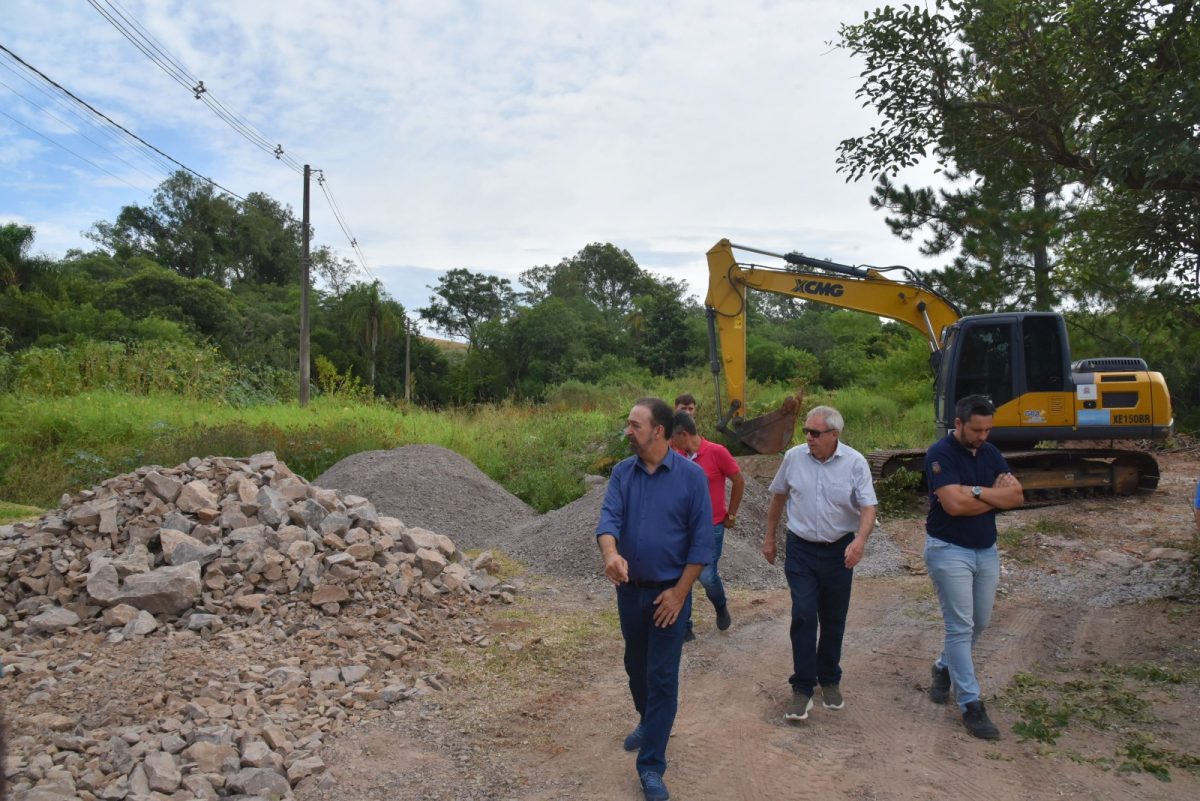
pixel 491 135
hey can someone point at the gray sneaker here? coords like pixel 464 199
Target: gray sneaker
pixel 831 697
pixel 799 708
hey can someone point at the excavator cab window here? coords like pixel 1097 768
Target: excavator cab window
pixel 1045 359
pixel 985 362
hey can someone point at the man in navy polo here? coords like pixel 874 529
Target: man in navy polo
pixel 968 482
pixel 655 534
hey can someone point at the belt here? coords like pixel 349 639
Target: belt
pixel 653 585
pixel 821 543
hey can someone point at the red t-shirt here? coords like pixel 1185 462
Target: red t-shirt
pixel 718 464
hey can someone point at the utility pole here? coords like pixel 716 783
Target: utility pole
pixel 304 264
pixel 407 352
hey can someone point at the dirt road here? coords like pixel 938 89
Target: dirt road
pixel 541 714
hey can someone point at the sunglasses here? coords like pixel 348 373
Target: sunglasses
pixel 812 432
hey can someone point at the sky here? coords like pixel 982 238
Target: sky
pixel 493 136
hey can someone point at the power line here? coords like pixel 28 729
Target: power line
pixel 111 121
pixel 158 54
pixel 140 37
pixel 69 150
pixel 323 182
pixel 112 136
pixel 79 133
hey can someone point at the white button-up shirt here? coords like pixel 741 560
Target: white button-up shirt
pixel 824 499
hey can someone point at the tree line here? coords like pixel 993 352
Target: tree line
pixel 1071 182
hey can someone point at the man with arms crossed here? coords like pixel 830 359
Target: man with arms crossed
pixel 655 534
pixel 718 465
pixel 968 481
pixel 826 487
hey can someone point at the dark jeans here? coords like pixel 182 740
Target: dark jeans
pixel 652 662
pixel 820 583
pixel 710 579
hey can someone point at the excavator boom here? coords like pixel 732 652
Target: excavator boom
pixel 861 289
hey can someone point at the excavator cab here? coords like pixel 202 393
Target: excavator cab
pixel 1020 361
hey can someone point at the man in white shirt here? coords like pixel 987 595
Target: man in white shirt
pixel 825 486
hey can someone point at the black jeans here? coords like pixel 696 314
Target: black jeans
pixel 820 583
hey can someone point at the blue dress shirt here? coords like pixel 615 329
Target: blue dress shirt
pixel 662 521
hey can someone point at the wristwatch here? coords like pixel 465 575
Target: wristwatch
pixel 730 519
pixel 976 491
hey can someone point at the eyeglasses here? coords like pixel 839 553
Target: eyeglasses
pixel 812 432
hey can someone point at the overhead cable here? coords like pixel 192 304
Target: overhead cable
pixel 111 121
pixel 129 27
pixel 69 150
pixel 78 132
pixel 114 137
pixel 323 182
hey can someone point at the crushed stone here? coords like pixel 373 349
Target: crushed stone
pixel 434 488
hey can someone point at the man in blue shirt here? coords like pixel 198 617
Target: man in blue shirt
pixel 655 534
pixel 968 482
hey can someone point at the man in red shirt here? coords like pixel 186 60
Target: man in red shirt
pixel 719 466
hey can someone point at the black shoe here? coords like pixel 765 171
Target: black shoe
pixel 653 787
pixel 633 742
pixel 723 618
pixel 976 719
pixel 939 688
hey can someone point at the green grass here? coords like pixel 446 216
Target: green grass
pixel 530 640
pixel 53 445
pixel 11 512
pixel 875 422
pixel 1108 698
pixel 540 453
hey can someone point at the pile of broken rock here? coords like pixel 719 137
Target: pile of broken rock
pixel 197 631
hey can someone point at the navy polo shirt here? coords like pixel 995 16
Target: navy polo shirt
pixel 662 520
pixel 950 462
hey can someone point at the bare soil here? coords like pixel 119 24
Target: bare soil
pixel 540 713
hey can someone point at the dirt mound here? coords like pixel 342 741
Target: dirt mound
pixel 434 488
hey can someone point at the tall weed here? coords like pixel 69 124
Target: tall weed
pixel 139 368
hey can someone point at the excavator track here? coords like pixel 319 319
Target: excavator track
pixel 1052 475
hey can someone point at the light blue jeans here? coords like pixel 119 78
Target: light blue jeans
pixel 966 581
pixel 710 579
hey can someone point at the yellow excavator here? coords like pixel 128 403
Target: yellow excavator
pixel 1020 360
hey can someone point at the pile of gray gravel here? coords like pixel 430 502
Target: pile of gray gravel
pixel 434 488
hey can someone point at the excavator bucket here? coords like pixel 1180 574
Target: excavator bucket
pixel 772 432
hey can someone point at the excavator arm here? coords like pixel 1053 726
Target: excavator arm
pixel 862 289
